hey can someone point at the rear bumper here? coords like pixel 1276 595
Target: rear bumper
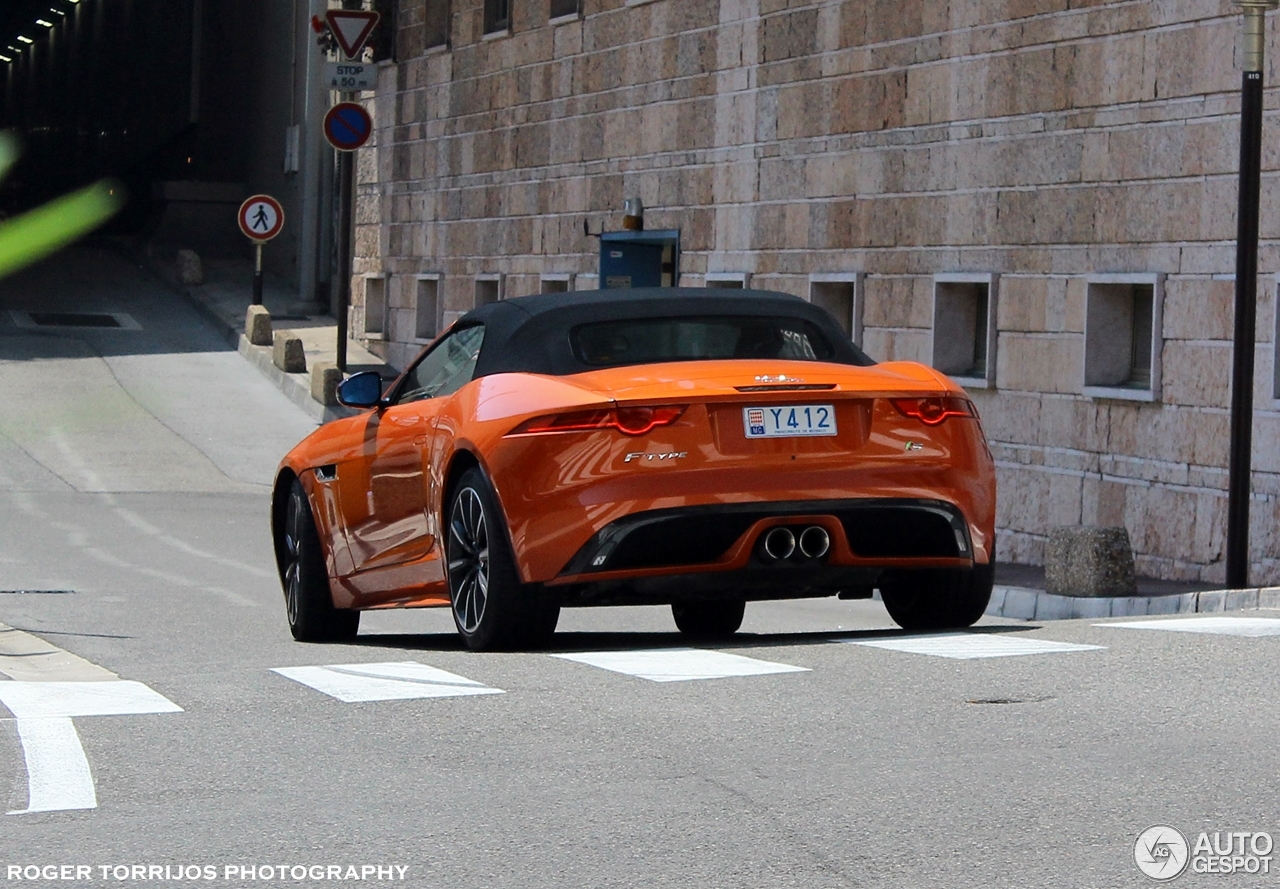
pixel 700 551
pixel 558 492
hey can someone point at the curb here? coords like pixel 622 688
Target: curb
pixel 1021 603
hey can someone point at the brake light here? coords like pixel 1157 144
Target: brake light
pixel 627 420
pixel 933 411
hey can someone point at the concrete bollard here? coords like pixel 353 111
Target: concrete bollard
pixel 1089 561
pixel 325 378
pixel 257 326
pixel 190 269
pixel 287 354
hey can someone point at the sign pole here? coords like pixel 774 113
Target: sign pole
pixel 345 164
pixel 347 126
pixel 257 273
pixel 1240 460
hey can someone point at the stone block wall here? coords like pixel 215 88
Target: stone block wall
pixel 1041 141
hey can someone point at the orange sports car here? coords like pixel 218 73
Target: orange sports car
pixel 696 448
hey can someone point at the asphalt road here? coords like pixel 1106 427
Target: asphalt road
pixel 133 496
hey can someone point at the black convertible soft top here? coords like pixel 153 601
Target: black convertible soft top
pixel 530 334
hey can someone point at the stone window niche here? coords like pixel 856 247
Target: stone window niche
pixel 428 309
pixel 488 289
pixel 375 307
pixel 728 280
pixel 497 17
pixel 1275 347
pixel 556 282
pixel 565 11
pixel 840 293
pixel 1122 336
pixel 438 19
pixel 964 328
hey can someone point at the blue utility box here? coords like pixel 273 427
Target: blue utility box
pixel 639 259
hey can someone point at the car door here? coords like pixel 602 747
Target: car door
pixel 386 501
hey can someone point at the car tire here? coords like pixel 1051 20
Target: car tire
pixel 937 599
pixel 308 600
pixel 492 609
pixel 709 620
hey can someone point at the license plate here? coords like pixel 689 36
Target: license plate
pixel 789 421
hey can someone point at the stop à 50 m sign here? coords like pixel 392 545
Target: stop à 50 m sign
pixel 350 76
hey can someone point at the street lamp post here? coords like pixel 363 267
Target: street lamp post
pixel 1246 292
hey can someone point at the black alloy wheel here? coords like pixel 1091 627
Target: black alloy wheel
pixel 308 601
pixel 492 609
pixel 468 560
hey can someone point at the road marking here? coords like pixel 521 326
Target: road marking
pixel 80 540
pixel 395 681
pixel 181 545
pixel 58 776
pixel 1221 626
pixel 49 687
pixel 679 664
pixel 966 646
pixel 121 697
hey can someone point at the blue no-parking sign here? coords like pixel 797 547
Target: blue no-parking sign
pixel 347 126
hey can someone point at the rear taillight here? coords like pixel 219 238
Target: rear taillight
pixel 933 411
pixel 627 420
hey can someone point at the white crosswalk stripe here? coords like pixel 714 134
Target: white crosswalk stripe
pixel 1219 626
pixel 679 664
pixel 395 681
pixel 967 646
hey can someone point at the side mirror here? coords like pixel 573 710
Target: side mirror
pixel 361 390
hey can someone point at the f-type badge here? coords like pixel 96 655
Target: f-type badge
pixel 913 446
pixel 674 455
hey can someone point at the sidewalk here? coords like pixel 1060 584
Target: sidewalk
pixel 224 297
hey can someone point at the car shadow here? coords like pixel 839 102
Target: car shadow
pixel 597 641
pixel 579 641
pixel 410 641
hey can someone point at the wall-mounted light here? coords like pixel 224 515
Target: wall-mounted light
pixel 4 58
pixel 45 23
pixel 25 39
pixel 632 215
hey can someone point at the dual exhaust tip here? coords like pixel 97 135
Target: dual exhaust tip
pixel 782 543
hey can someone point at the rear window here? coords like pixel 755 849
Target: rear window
pixel 654 340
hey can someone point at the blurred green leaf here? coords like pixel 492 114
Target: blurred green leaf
pixel 39 232
pixel 9 151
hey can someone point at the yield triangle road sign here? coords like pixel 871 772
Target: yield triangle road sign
pixel 351 28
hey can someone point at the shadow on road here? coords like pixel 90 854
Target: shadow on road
pixel 93 280
pixel 564 643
